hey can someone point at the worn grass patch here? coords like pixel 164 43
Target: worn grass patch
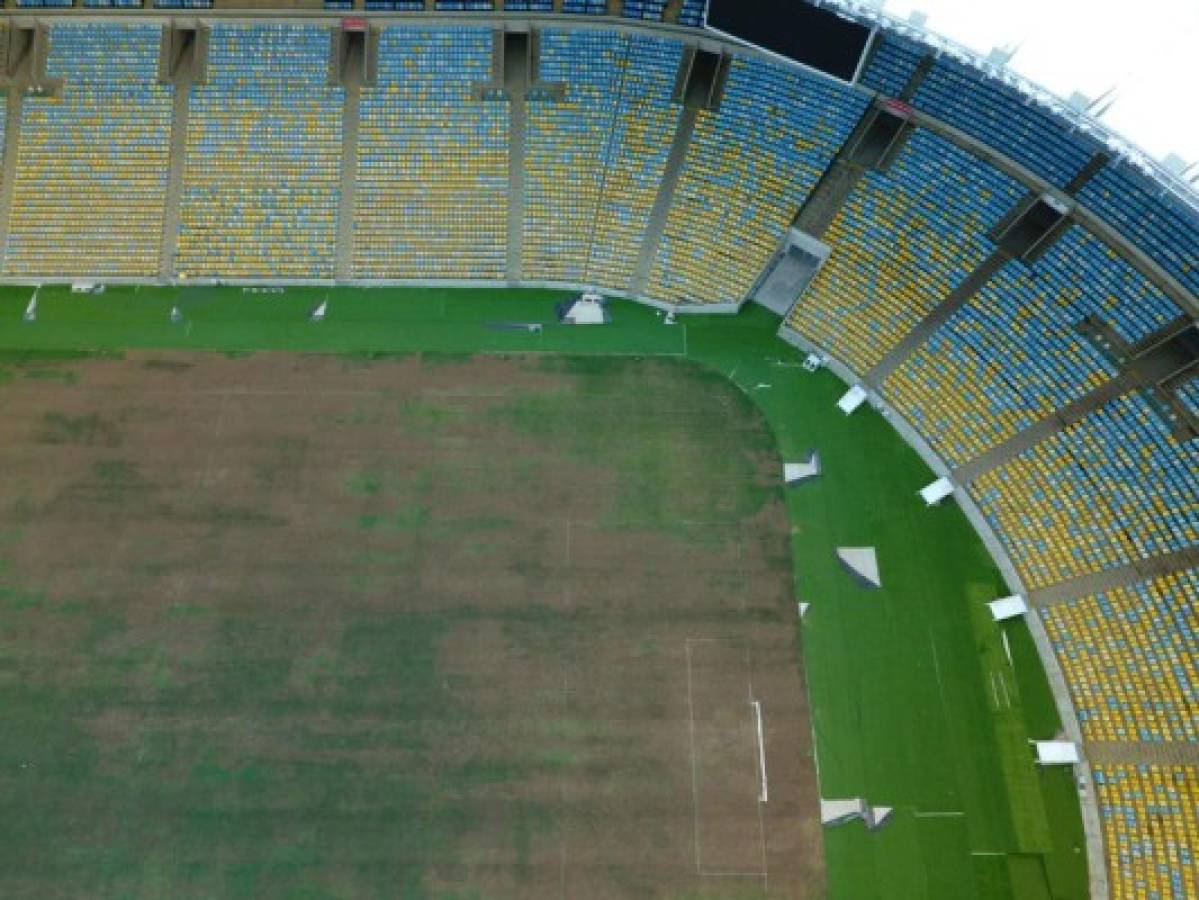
pixel 905 718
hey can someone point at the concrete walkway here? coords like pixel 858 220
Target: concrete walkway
pixel 1094 165
pixel 185 77
pixel 663 202
pixel 1173 753
pixel 343 266
pixel 957 298
pixel 516 83
pixel 1120 576
pixel 8 176
pixel 834 186
pixel 1050 425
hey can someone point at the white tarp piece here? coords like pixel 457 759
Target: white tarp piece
pixel 812 362
pixel 318 314
pixel 937 491
pixel 862 563
pixel 794 473
pixel 853 398
pixel 31 309
pixel 176 315
pixel 839 812
pixel 84 287
pixel 1008 608
pixel 588 309
pixel 1057 753
pixel 803 608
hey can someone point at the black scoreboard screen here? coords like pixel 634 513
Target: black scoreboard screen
pixel 807 34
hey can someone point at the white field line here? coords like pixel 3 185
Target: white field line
pixel 932 642
pixel 694 765
pixel 764 795
pixel 568 602
pixel 733 874
pixel 699 868
pixel 749 683
pixel 937 815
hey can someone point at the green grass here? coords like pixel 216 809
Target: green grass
pixel 902 681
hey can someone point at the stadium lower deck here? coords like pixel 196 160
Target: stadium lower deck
pixel 1055 389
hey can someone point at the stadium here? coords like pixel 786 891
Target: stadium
pixel 590 449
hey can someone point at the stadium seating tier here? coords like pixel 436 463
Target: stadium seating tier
pixel 749 168
pixel 1115 488
pixel 900 244
pixel 89 191
pixel 261 185
pixel 1150 818
pixel 1129 656
pixel 432 179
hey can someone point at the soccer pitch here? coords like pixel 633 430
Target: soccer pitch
pixel 645 434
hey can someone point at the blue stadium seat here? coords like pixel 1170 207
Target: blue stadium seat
pixel 1114 488
pixel 1004 118
pixel 90 185
pixel 748 170
pixel 432 187
pixel 262 182
pixel 903 240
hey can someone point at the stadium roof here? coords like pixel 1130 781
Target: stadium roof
pixel 1135 65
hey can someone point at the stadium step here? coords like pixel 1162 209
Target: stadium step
pixel 517 79
pixel 352 82
pixel 1056 421
pixel 1114 753
pixel 1121 576
pixel 184 77
pixel 836 184
pixel 957 298
pixel 657 218
pixel 12 139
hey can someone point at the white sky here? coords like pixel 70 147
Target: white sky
pixel 1148 51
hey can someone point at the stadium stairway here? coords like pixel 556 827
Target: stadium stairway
pixel 1117 577
pixel 670 12
pixel 664 200
pixel 1089 171
pixel 185 75
pixel 1054 422
pixel 351 80
pixel 1170 753
pixel 10 148
pixel 516 82
pixel 836 184
pixel 940 314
